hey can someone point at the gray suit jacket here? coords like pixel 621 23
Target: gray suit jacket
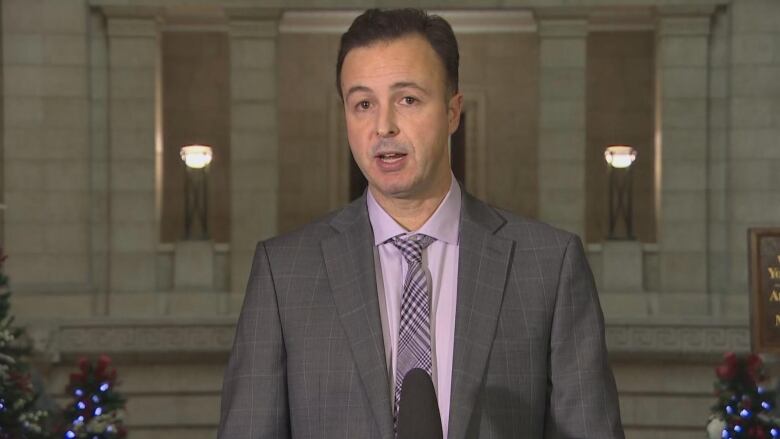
pixel 530 359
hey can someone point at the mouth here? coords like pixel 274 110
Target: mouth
pixel 390 157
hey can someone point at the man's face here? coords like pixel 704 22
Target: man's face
pixel 399 117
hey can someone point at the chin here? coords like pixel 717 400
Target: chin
pixel 394 189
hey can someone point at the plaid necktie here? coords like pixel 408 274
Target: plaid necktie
pixel 414 334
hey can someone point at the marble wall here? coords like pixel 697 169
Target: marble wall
pixel 752 152
pixel 308 102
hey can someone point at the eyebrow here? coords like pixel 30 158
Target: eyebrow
pixel 408 84
pixel 355 89
pixel 395 86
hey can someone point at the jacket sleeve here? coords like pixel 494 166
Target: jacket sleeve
pixel 254 392
pixel 582 396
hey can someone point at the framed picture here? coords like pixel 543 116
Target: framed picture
pixel 764 266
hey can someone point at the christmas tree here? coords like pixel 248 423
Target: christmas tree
pixel 744 405
pixel 97 408
pixel 19 418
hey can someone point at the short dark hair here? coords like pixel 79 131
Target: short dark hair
pixel 376 25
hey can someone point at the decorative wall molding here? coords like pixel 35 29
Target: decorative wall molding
pixel 692 340
pixel 489 21
pixel 462 22
pixel 139 337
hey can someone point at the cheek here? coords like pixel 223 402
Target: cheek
pixel 358 136
pixel 428 135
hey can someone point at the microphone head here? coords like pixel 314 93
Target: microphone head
pixel 418 408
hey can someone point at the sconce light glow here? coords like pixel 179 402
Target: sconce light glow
pixel 620 156
pixel 196 156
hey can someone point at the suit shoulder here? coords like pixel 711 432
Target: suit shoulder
pixel 313 233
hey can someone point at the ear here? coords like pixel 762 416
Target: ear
pixel 454 108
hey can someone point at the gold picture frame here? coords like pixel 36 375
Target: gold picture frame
pixel 764 274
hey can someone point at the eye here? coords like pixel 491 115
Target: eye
pixel 409 100
pixel 363 105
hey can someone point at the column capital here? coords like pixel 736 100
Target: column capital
pixel 120 11
pixel 253 22
pixel 622 19
pixel 131 21
pixel 685 20
pixel 132 27
pixel 562 23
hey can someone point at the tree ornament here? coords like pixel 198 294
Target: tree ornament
pixel 97 409
pixel 19 416
pixel 742 410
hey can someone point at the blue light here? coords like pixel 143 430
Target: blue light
pixel 729 409
pixel 2 406
pixel 79 420
pixel 80 405
pixel 109 429
pixel 95 399
pixel 98 411
pixel 774 432
pixel 78 392
pixel 745 413
pixel 70 435
pixel 725 434
pixel 738 429
pixel 104 387
pixel 766 405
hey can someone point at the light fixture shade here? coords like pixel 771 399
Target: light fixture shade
pixel 620 156
pixel 196 156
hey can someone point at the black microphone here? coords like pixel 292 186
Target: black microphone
pixel 418 409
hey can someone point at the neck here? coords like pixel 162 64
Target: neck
pixel 412 213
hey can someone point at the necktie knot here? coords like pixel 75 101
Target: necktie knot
pixel 412 246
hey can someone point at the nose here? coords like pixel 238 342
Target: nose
pixel 386 125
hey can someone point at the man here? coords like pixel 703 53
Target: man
pixel 501 311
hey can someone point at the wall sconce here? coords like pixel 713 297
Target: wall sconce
pixel 196 156
pixel 619 158
pixel 197 159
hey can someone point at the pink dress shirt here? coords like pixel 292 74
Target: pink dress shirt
pixel 440 260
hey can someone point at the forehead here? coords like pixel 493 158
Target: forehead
pixel 409 58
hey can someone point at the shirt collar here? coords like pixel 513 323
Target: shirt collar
pixel 443 225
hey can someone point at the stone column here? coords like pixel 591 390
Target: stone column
pixel 45 131
pixel 718 212
pixel 681 154
pixel 133 55
pixel 562 121
pixel 253 136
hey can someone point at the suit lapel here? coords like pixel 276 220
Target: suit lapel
pixel 483 264
pixel 349 260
